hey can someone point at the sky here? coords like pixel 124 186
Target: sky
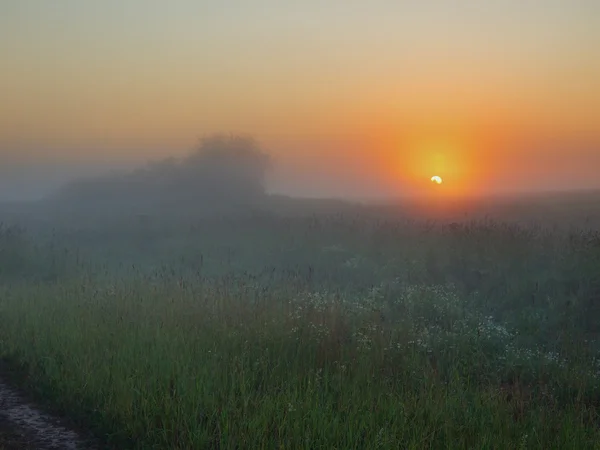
pixel 350 97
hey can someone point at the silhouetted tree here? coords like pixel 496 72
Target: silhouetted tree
pixel 227 167
pixel 223 170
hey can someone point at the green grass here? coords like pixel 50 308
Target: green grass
pixel 314 333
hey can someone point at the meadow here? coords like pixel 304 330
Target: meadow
pixel 312 327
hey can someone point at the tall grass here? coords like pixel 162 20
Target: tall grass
pixel 337 333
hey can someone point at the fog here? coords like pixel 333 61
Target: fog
pixel 299 225
pixel 321 171
pixel 30 181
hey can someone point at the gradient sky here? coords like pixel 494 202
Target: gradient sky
pixel 372 96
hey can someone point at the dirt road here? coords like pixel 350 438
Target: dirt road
pixel 24 426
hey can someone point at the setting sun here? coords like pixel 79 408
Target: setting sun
pixel 436 179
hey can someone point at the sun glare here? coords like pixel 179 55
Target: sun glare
pixel 436 179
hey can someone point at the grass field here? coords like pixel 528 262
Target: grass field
pixel 353 329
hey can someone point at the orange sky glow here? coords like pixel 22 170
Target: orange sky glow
pixel 488 96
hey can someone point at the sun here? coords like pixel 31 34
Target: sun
pixel 436 179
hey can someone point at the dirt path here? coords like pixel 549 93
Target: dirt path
pixel 23 426
pixel 11 438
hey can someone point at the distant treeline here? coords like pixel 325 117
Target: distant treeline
pixel 224 170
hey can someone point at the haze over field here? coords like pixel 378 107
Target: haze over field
pixel 353 99
pixel 197 273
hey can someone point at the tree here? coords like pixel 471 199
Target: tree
pixel 225 170
pixel 227 166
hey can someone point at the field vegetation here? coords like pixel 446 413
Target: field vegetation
pixel 310 332
pixel 317 325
